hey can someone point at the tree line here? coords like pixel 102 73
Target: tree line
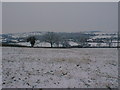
pixel 57 39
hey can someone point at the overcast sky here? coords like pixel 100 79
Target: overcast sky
pixel 59 17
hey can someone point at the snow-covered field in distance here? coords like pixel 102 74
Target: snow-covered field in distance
pixel 59 68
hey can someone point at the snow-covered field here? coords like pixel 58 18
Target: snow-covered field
pixel 59 68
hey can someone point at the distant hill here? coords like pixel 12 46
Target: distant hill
pixel 20 38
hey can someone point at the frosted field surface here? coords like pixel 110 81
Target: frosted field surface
pixel 59 68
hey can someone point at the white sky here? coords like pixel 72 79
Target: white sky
pixel 60 17
pixel 37 28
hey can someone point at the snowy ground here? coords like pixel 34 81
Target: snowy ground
pixel 59 68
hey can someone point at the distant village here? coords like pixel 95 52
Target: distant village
pixel 61 39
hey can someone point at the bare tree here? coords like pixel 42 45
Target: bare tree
pixel 58 40
pixel 32 40
pixel 51 38
pixel 99 42
pixel 109 41
pixel 65 43
pixel 81 40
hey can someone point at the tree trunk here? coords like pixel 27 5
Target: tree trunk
pixel 51 45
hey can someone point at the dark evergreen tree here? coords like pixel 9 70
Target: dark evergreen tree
pixel 32 40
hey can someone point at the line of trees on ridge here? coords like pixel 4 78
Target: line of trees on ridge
pixel 55 39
